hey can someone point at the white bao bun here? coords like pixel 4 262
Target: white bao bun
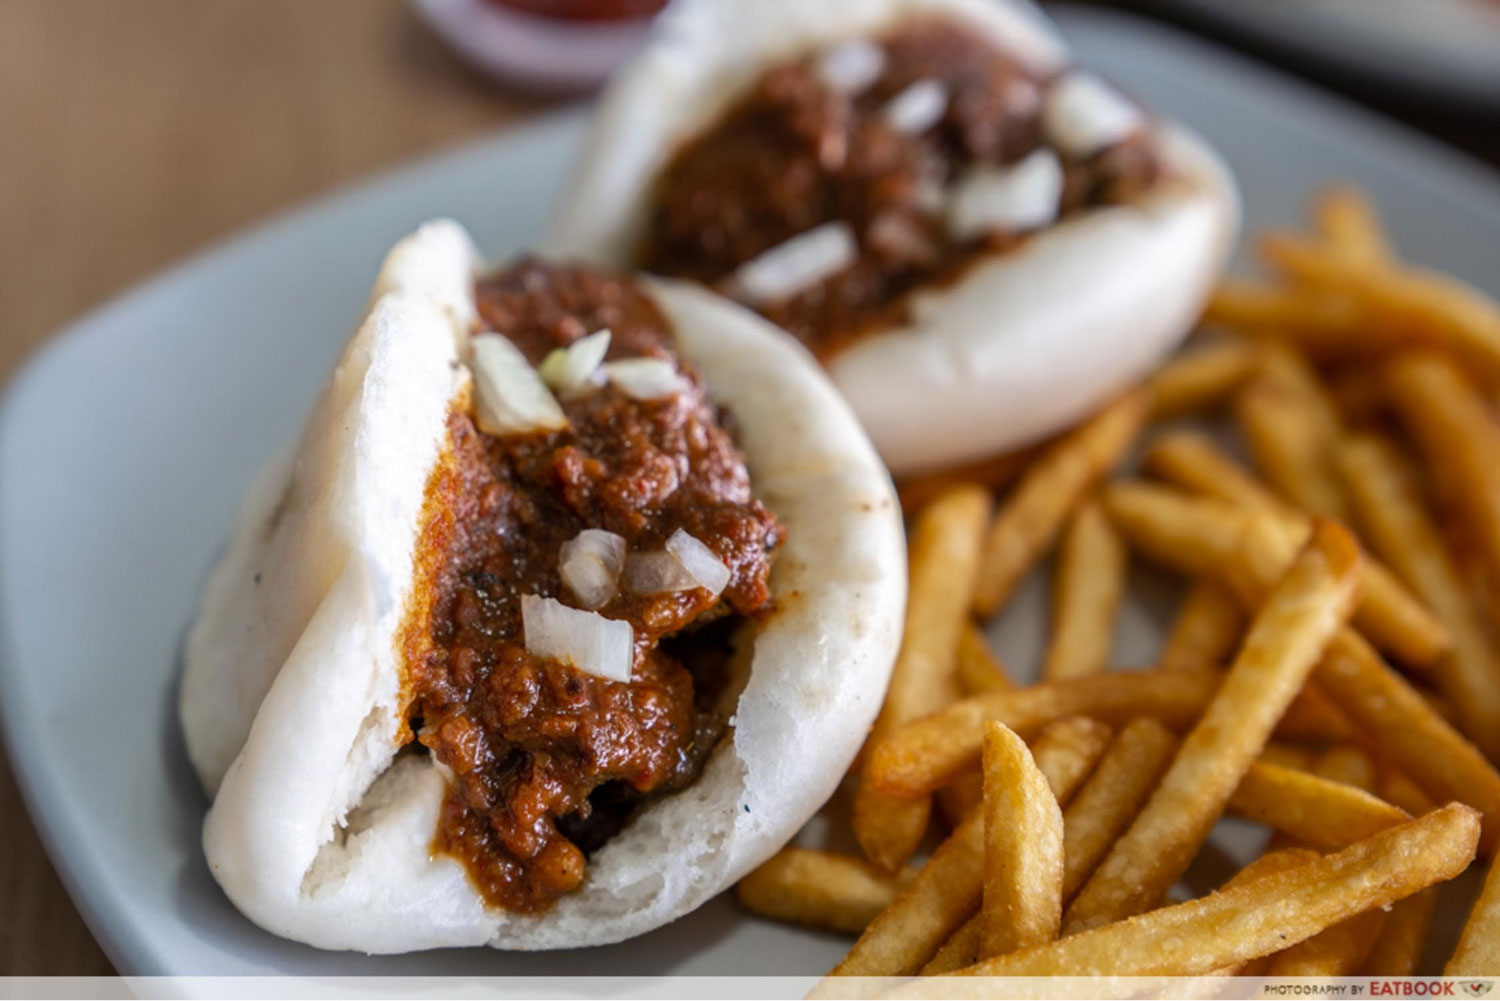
pixel 1025 343
pixel 291 700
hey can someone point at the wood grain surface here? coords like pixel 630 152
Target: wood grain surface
pixel 135 133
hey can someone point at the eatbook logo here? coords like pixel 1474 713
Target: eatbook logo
pixel 1476 988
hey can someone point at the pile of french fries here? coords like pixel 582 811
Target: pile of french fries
pixel 1332 672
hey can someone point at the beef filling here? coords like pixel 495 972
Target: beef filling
pixel 797 152
pixel 547 761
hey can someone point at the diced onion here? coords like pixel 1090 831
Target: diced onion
pixel 1082 115
pixel 1024 196
pixel 701 563
pixel 645 378
pixel 919 106
pixel 1022 96
pixel 898 236
pixel 509 397
pixel 929 196
pixel 797 264
pixel 852 66
pixel 590 564
pixel 593 644
pixel 686 564
pixel 657 573
pixel 570 369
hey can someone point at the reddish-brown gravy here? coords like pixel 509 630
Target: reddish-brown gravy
pixel 796 153
pixel 546 759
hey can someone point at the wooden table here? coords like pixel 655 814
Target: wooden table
pixel 136 133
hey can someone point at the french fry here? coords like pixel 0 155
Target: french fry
pixel 1242 548
pixel 1391 716
pixel 1202 537
pixel 819 889
pixel 1398 527
pixel 1211 537
pixel 1478 951
pixel 943 558
pixel 1191 460
pixel 1086 590
pixel 1271 862
pixel 1308 606
pixel 961 949
pixel 1023 855
pixel 1396 789
pixel 1359 395
pixel 926 753
pixel 1403 936
pixel 888 828
pixel 1348 764
pixel 1249 920
pixel 1486 588
pixel 1392 618
pixel 1199 379
pixel 1416 307
pixel 1363 748
pixel 1047 494
pixel 1245 549
pixel 1123 779
pixel 1280 860
pixel 979 670
pixel 1459 441
pixel 1311 809
pixel 1112 796
pixel 994 473
pixel 1066 752
pixel 1288 756
pixel 1334 952
pixel 1398 723
pixel 1324 323
pixel 943 894
pixel 1312 716
pixel 1282 365
pixel 959 798
pixel 1442 705
pixel 1348 221
pixel 1296 461
pixel 1206 631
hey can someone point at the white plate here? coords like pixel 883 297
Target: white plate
pixel 125 447
pixel 1443 49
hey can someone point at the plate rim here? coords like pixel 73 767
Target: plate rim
pixel 1465 80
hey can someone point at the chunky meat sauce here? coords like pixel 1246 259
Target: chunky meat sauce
pixel 547 760
pixel 796 153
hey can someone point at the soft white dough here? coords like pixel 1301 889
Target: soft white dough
pixel 320 832
pixel 701 56
pixel 1023 344
pixel 344 501
pixel 1030 342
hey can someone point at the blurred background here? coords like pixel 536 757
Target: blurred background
pixel 138 133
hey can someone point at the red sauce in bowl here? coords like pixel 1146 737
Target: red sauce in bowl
pixel 585 10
